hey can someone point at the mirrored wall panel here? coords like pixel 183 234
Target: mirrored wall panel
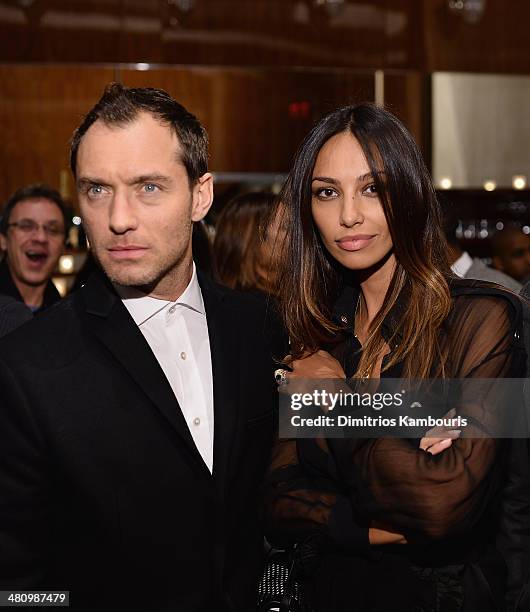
pixel 480 131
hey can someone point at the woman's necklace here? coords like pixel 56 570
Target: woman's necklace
pixel 356 325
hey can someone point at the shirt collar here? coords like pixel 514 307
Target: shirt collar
pixel 343 312
pixel 142 307
pixel 461 266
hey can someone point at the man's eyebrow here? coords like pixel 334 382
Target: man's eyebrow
pixel 82 181
pixel 149 178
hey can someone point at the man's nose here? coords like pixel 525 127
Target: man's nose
pixel 39 234
pixel 122 216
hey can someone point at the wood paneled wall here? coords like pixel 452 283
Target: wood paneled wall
pixel 227 32
pixel 40 106
pixel 256 118
pixel 380 34
pixel 498 43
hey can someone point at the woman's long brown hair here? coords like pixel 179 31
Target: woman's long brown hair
pixel 237 247
pixel 310 279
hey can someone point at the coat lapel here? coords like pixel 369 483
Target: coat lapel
pixel 224 334
pixel 114 327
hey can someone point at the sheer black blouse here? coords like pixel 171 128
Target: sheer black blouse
pixel 341 487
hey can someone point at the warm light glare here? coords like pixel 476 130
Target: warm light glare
pixel 490 185
pixel 446 183
pixel 61 285
pixel 66 264
pixel 76 220
pixel 519 181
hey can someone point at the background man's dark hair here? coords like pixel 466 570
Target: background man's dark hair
pixel 33 192
pixel 120 105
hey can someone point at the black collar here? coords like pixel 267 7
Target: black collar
pixel 343 312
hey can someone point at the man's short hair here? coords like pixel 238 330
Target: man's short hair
pixel 120 105
pixel 38 191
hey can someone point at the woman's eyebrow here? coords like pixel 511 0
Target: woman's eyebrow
pixel 370 175
pixel 325 179
pixel 332 181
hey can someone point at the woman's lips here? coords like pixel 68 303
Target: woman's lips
pixel 128 252
pixel 355 243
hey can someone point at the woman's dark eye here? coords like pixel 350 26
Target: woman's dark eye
pixel 326 192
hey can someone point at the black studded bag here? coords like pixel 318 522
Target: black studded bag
pixel 282 587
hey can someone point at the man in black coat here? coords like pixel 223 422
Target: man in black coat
pixel 137 415
pixel 33 229
pixel 12 314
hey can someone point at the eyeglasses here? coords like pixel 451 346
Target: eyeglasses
pixel 28 227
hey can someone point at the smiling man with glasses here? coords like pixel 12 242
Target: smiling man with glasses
pixel 32 234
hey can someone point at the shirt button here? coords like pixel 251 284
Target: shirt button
pixel 172 309
pixel 183 355
pixel 196 421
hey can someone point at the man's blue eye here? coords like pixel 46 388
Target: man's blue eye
pixel 150 188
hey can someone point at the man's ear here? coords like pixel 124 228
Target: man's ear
pixel 3 242
pixel 202 197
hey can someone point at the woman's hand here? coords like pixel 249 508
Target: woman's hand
pixel 438 439
pixel 434 446
pixel 321 365
pixel 378 537
pixel 318 365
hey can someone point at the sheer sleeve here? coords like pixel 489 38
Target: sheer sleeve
pixel 302 498
pixel 435 496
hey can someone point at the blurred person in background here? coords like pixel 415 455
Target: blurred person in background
pixel 465 266
pixel 32 234
pixel 525 295
pixel 511 253
pixel 246 244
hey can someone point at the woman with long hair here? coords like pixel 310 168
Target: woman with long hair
pixel 366 292
pixel 245 235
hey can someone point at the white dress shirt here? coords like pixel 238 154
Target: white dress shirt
pixel 177 333
pixel 461 266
